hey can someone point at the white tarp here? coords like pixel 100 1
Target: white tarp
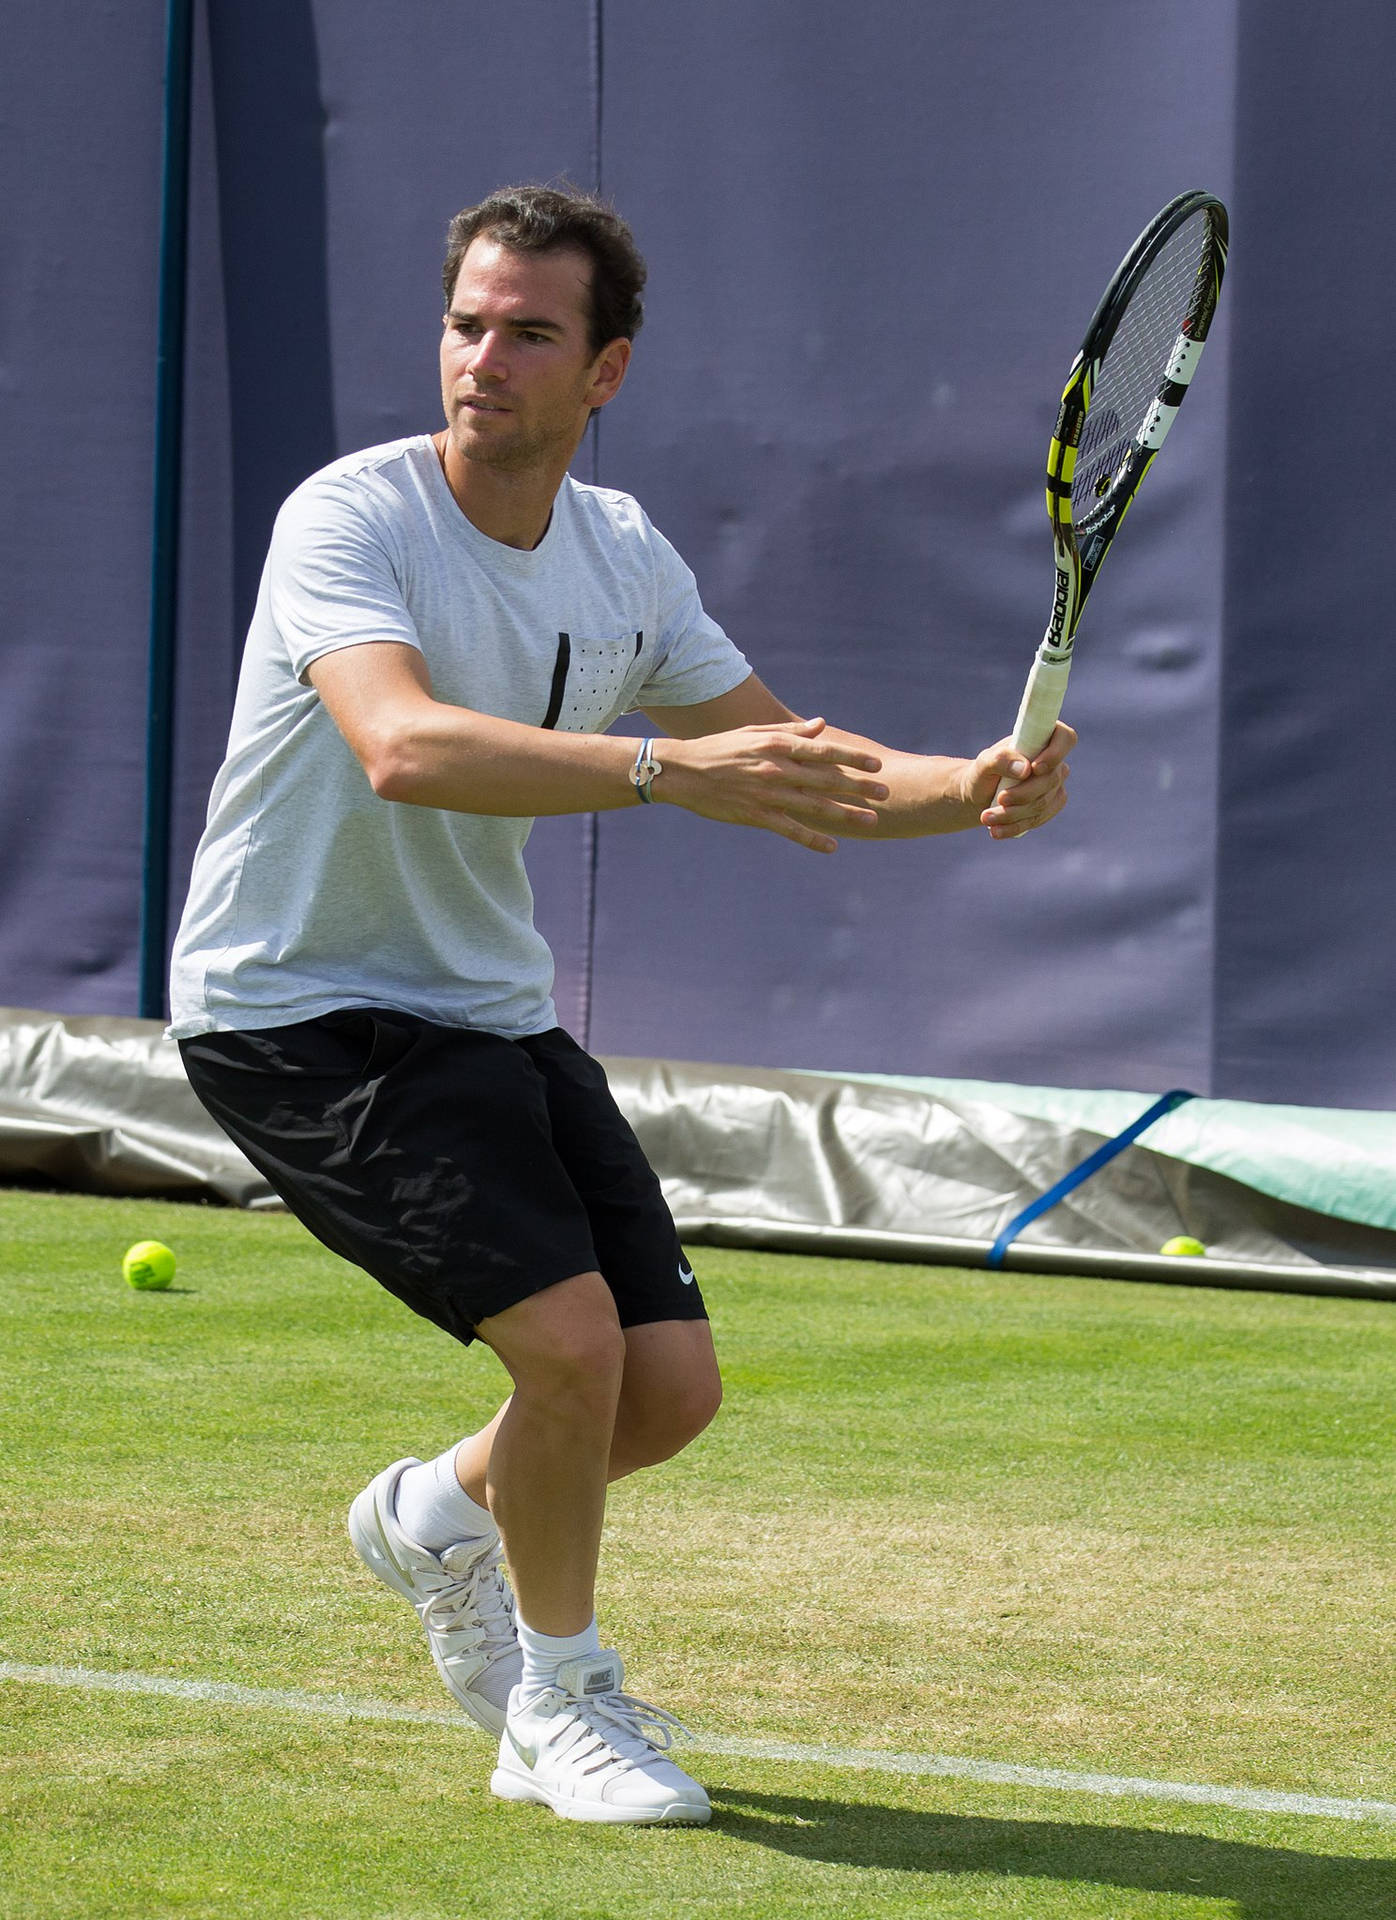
pixel 807 1162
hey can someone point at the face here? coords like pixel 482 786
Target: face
pixel 518 375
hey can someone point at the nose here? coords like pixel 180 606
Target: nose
pixel 487 362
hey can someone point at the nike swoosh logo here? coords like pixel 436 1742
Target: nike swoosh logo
pixel 382 1542
pixel 526 1753
pixel 686 1274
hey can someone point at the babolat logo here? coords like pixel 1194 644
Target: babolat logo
pixel 1059 600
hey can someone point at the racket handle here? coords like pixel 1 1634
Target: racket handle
pixel 1041 703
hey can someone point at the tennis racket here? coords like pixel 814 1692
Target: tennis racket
pixel 1122 396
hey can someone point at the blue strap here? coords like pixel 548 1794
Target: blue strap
pixel 1070 1181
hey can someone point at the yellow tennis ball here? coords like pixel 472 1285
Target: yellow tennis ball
pixel 149 1266
pixel 1184 1245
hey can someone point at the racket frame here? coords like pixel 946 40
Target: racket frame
pixel 1079 549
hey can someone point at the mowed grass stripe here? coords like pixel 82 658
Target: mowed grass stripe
pixel 923 1765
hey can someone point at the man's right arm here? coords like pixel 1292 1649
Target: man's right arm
pixel 785 777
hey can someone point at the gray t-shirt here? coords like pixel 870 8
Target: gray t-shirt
pixel 310 893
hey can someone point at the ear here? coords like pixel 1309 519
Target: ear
pixel 607 372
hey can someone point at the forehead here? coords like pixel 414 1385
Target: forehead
pixel 496 278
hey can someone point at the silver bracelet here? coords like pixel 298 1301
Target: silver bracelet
pixel 645 771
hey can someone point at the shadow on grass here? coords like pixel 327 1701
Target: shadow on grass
pixel 1266 1883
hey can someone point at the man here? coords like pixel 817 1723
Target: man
pixel 446 627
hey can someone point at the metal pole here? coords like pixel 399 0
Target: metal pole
pixel 591 827
pixel 164 562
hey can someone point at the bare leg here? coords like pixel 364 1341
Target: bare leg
pixel 473 1460
pixel 551 1445
pixel 669 1392
pixel 570 1426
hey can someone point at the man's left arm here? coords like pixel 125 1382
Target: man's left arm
pixel 928 793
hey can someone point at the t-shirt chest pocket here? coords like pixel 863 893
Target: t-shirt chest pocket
pixel 590 678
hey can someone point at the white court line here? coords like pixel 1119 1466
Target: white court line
pixel 337 1706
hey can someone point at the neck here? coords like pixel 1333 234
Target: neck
pixel 513 508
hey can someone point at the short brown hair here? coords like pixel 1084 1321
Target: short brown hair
pixel 546 220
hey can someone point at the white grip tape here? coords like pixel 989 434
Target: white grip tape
pixel 1042 702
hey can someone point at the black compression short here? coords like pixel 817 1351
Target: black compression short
pixel 462 1170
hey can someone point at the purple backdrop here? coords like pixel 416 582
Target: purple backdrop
pixel 872 254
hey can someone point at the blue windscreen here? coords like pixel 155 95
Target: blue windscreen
pixel 873 247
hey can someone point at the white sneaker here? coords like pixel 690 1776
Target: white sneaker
pixel 580 1748
pixel 460 1596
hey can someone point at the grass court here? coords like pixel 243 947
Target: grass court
pixel 1115 1529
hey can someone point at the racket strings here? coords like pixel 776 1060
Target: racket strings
pixel 1133 369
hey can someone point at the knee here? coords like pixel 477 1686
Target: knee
pixel 696 1406
pixel 584 1372
pixel 564 1349
pixel 658 1420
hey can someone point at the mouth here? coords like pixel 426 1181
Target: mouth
pixel 477 403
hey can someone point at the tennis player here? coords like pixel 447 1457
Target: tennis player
pixel 446 627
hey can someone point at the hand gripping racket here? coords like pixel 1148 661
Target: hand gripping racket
pixel 1122 395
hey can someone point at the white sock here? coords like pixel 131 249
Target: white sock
pixel 544 1653
pixel 434 1509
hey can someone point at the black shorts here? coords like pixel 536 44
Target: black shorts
pixel 462 1170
